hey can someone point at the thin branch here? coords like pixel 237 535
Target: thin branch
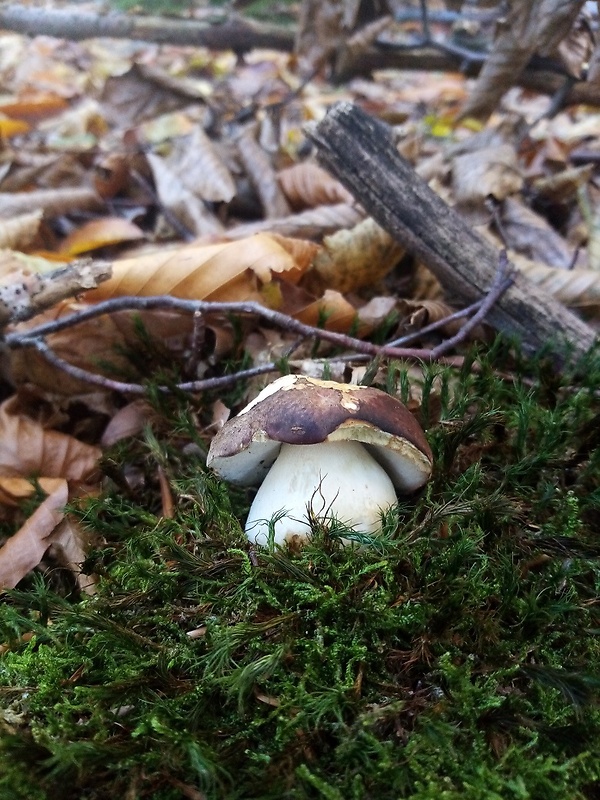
pixel 27 338
pixel 35 337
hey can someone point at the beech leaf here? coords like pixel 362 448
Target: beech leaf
pixel 25 549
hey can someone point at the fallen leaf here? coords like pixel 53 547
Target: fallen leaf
pixel 307 185
pixel 490 171
pixel 20 230
pixel 187 208
pixel 25 549
pixel 332 311
pixel 224 272
pixel 352 259
pixel 27 449
pixel 99 233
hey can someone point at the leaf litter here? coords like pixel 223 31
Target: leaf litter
pixel 150 168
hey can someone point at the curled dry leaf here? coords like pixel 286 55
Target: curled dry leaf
pixel 25 549
pixel 576 288
pixel 52 201
pixel 351 259
pixel 27 449
pixel 201 169
pixel 180 202
pixel 19 231
pixel 307 185
pixel 229 271
pixel 314 223
pixel 262 175
pixel 491 171
pixel 100 233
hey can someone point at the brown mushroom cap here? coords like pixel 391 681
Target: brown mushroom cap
pixel 299 410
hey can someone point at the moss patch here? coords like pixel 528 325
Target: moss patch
pixel 457 656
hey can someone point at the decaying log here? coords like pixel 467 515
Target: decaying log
pixel 358 150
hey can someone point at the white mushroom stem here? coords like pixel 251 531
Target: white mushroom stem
pixel 338 480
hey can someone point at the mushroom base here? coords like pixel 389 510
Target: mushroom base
pixel 330 480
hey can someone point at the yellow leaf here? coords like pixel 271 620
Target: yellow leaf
pixel 13 127
pixel 100 233
pixel 228 271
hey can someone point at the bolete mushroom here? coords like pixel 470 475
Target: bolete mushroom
pixel 339 450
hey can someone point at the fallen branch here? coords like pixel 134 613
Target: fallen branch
pixel 358 150
pixel 218 30
pixel 29 294
pixel 36 337
pixel 226 31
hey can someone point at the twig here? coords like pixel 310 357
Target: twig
pixel 35 337
pixel 503 280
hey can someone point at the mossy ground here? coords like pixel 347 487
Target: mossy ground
pixel 456 656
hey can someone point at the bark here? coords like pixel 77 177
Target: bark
pixel 230 32
pixel 227 32
pixel 27 294
pixel 358 150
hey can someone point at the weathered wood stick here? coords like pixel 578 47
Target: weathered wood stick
pixel 358 150
pixel 25 294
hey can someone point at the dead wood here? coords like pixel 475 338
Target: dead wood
pixel 358 150
pixel 217 31
pixel 226 31
pixel 530 27
pixel 26 294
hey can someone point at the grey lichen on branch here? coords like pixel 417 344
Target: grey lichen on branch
pixel 29 293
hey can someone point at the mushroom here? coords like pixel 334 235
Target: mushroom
pixel 320 448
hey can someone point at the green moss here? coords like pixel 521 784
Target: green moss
pixel 456 656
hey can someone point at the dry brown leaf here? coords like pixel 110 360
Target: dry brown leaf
pixel 530 235
pixel 575 50
pixel 103 339
pixel 138 95
pixel 332 311
pixel 262 175
pixel 307 185
pixel 189 209
pixel 128 421
pixel 99 233
pixel 313 223
pixel 491 171
pixel 562 187
pixel 52 201
pixel 68 546
pixel 25 549
pixel 351 259
pixel 229 271
pixel 27 449
pixel 576 288
pixel 19 231
pixel 376 311
pixel 33 107
pixel 201 169
pixel 14 490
